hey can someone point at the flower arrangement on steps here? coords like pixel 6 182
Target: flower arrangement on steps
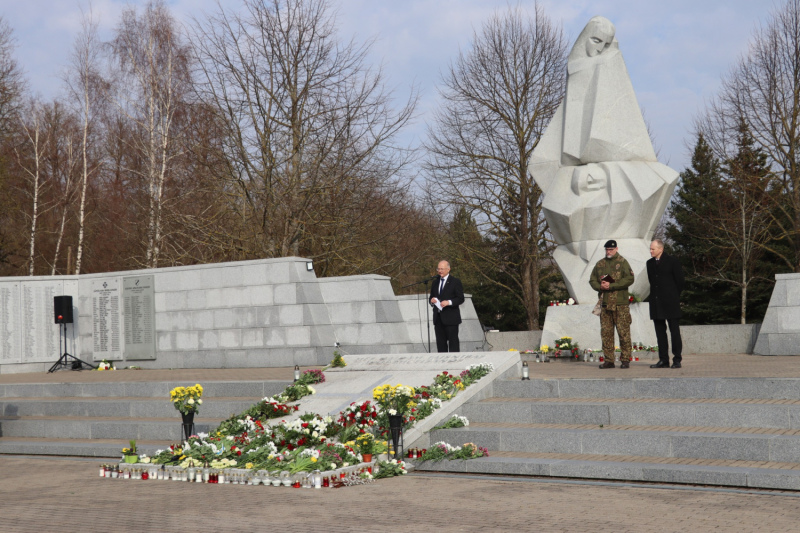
pixel 251 442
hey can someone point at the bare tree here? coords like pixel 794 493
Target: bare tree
pixel 83 83
pixel 30 154
pixel 307 132
pixel 497 99
pixel 11 80
pixel 151 77
pixel 763 88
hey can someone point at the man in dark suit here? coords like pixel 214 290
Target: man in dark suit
pixel 448 293
pixel 666 284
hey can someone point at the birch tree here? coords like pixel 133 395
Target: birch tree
pixel 83 83
pixel 30 154
pixel 150 78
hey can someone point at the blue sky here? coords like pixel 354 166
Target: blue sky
pixel 676 50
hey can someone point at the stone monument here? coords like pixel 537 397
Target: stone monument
pixel 597 168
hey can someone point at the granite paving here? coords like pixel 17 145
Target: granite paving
pixel 65 495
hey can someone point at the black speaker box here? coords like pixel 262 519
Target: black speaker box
pixel 62 309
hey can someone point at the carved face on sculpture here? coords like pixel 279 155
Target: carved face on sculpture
pixel 599 41
pixel 595 39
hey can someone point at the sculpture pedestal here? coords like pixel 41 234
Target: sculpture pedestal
pixel 578 322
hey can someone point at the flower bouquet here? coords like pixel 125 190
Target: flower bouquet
pixel 130 455
pixel 565 344
pixel 397 400
pixel 366 446
pixel 187 399
pixel 338 360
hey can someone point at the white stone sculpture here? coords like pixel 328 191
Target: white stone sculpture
pixel 597 168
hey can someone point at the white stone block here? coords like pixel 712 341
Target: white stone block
pixel 214 299
pixel 298 336
pixel 231 297
pixel 291 315
pixel 364 312
pixel 165 341
pixel 286 294
pixel 277 273
pixel 175 301
pixel 196 299
pixel 211 276
pixel 267 316
pixel 788 319
pixel 274 337
pixel 169 281
pixel 370 334
pixel 792 289
pixel 186 340
pixel 230 338
pixel 191 279
pixel 203 320
pixel 261 295
pixel 253 275
pixel 225 318
pixel 180 320
pixel 159 301
pixel 341 313
pixel 231 276
pixel 208 340
pixel 248 317
pixel 252 338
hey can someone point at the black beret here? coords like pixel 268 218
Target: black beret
pixel 610 244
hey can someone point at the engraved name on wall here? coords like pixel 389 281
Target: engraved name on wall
pixel 106 331
pixel 139 317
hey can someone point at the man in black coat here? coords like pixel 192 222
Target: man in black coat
pixel 447 293
pixel 666 283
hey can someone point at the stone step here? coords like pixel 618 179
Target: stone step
pixel 135 407
pixel 656 387
pixel 662 442
pixel 73 427
pixel 631 411
pixel 141 389
pixel 731 473
pixel 102 448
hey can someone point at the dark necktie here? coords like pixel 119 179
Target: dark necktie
pixel 441 286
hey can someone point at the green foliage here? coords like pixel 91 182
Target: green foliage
pixel 703 233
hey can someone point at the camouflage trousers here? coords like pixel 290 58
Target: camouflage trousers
pixel 619 316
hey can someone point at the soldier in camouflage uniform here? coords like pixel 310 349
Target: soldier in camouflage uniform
pixel 616 305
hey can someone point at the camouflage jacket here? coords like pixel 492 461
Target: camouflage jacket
pixel 618 268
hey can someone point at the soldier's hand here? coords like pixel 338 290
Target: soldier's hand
pixel 605 285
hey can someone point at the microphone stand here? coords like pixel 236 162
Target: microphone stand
pixel 427 304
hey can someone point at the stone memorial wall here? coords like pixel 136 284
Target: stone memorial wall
pixel 271 312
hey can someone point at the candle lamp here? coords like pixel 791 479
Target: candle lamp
pixel 296 372
pixel 526 370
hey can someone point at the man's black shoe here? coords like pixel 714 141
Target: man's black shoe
pixel 661 364
pixel 676 365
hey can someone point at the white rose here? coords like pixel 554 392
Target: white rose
pixel 199 401
pixel 333 466
pixel 191 401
